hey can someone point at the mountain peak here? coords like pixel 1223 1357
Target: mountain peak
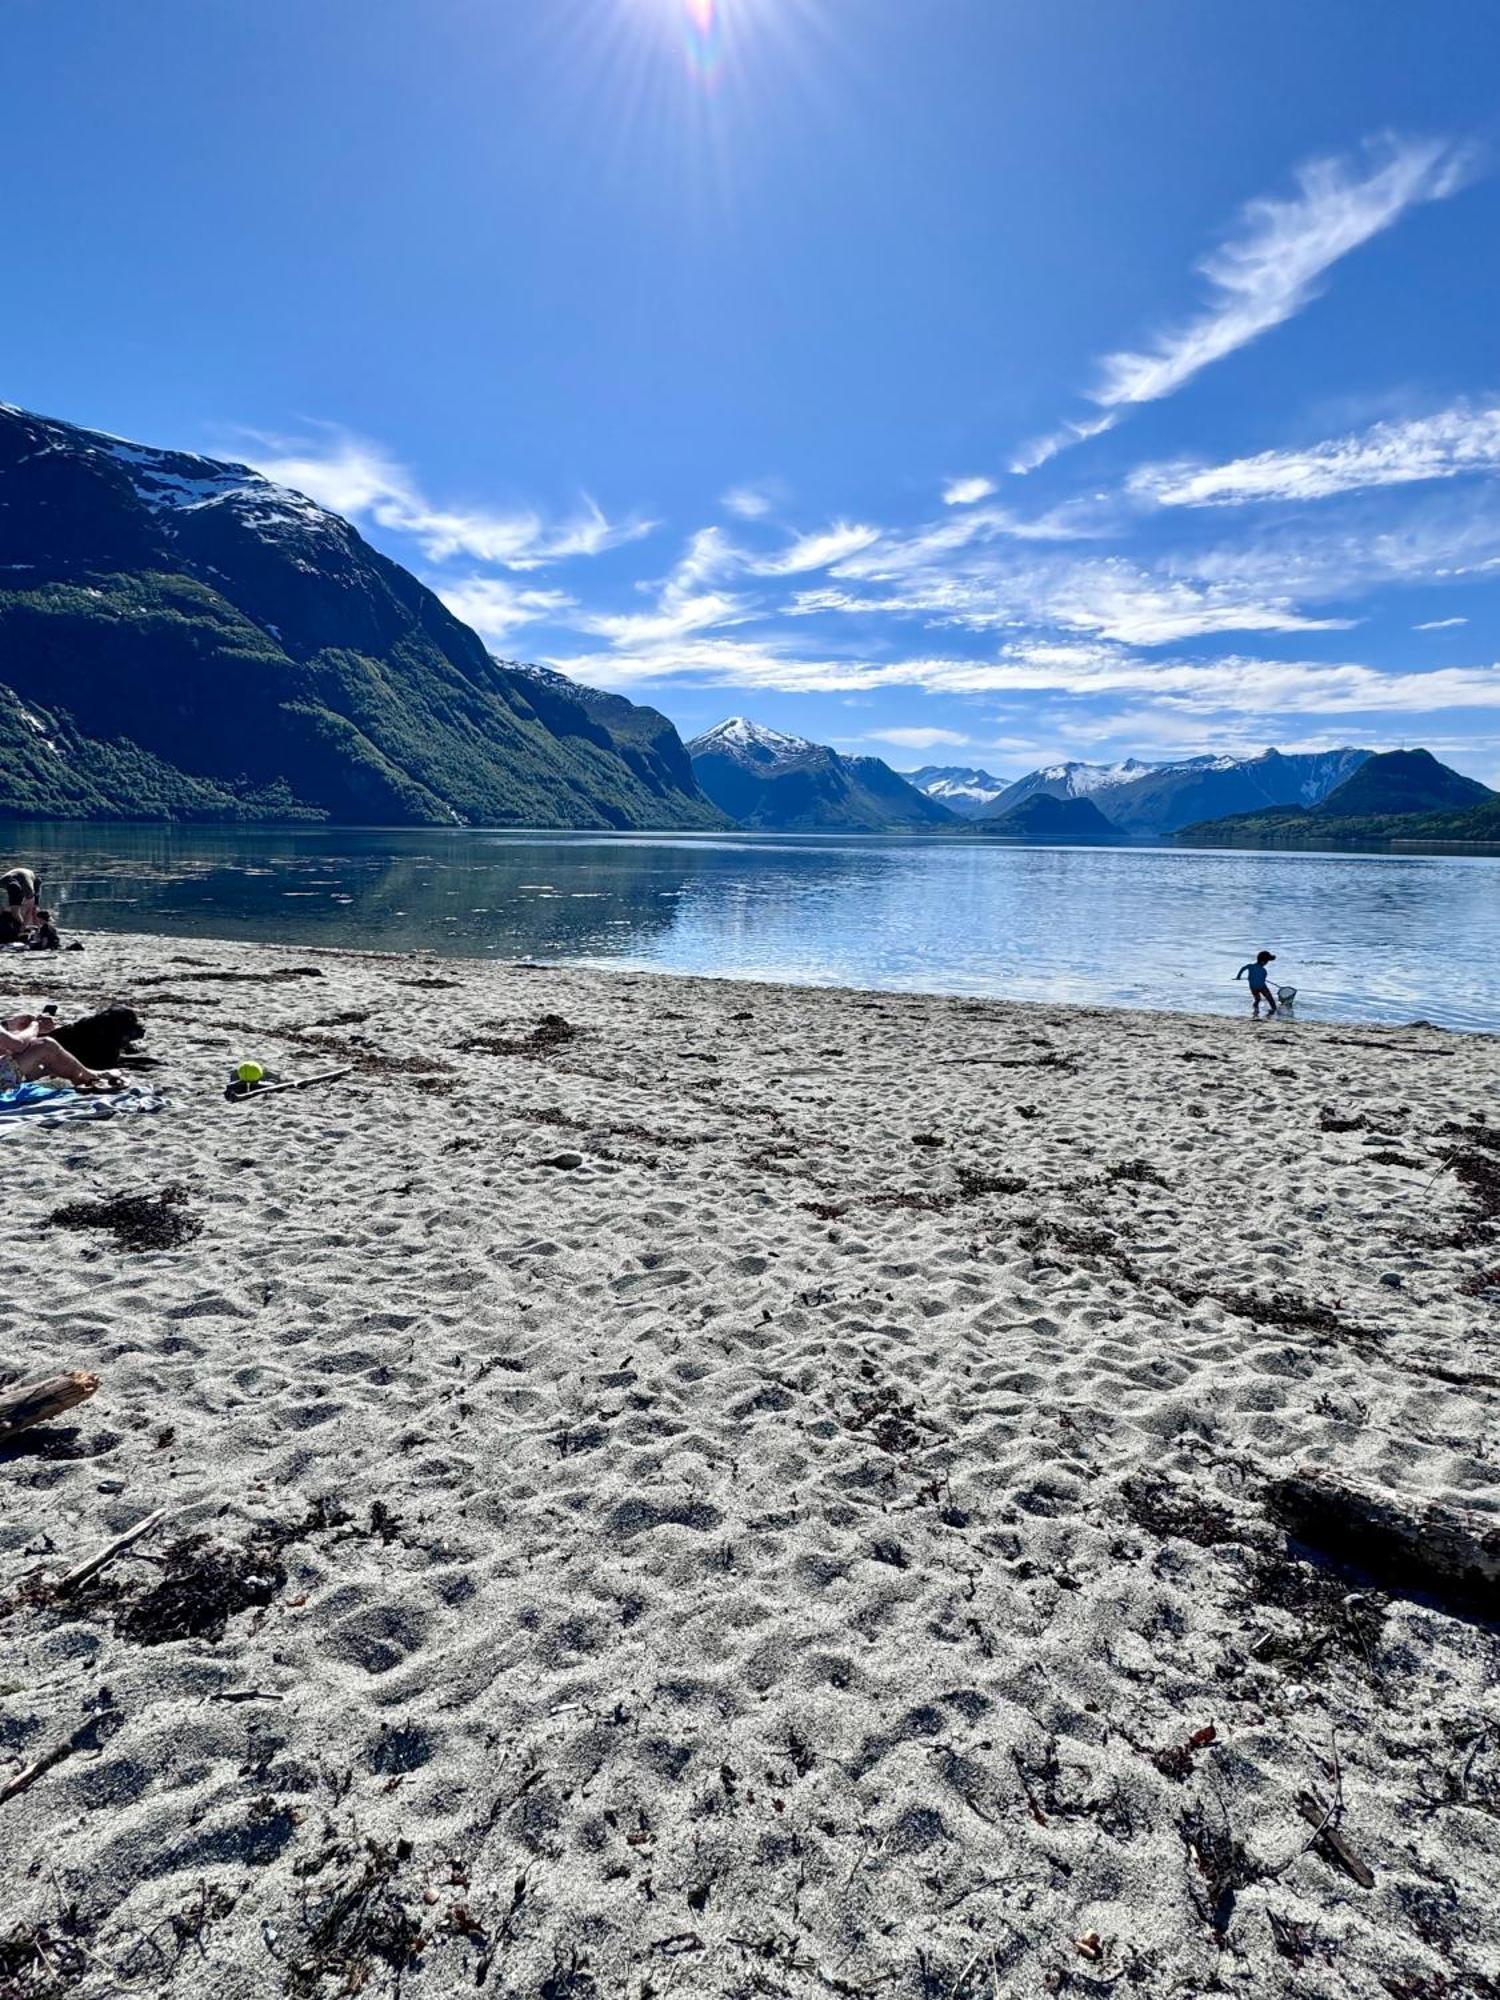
pixel 777 783
pixel 738 735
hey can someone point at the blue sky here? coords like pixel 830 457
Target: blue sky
pixel 960 380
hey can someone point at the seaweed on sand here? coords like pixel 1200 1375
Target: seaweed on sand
pixel 1165 1510
pixel 360 1921
pixel 551 1033
pixel 41 1961
pixel 204 1583
pixel 137 1221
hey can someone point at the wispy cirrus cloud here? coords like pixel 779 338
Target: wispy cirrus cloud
pixel 1038 450
pixel 918 738
pixel 1234 685
pixel 1439 624
pixel 1268 269
pixel 689 600
pixel 1110 597
pixel 359 480
pixel 819 550
pixel 496 608
pixel 964 492
pixel 751 501
pixel 1451 442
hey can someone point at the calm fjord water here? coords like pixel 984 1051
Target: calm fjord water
pixel 1363 937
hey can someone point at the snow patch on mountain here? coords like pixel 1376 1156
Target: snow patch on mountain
pixel 749 742
pixel 964 787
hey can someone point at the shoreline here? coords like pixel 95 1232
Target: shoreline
pixel 717 1486
pixel 1289 1019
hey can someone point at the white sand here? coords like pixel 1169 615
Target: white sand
pixel 756 1602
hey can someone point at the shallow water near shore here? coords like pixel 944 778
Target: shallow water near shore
pixel 1364 937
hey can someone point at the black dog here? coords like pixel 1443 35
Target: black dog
pixel 102 1040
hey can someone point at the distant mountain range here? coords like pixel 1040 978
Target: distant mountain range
pixel 771 782
pixel 1156 799
pixel 964 789
pixel 182 638
pixel 1400 794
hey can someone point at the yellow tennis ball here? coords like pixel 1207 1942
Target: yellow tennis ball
pixel 249 1072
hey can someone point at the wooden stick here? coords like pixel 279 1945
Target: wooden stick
pixel 87 1736
pixel 1320 1818
pixel 86 1570
pixel 24 1779
pixel 35 1402
pixel 302 1083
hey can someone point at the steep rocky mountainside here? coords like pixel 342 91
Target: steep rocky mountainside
pixel 245 653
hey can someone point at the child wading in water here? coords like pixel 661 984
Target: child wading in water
pixel 1260 982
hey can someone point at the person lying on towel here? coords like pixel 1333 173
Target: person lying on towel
pixel 29 1053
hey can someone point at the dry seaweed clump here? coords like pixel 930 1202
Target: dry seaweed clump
pixel 204 1583
pixel 160 1221
pixel 42 1961
pixel 551 1033
pixel 359 1921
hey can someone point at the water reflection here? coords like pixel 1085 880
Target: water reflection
pixel 1364 937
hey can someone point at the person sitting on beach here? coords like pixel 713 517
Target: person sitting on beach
pixel 1260 982
pixel 28 1054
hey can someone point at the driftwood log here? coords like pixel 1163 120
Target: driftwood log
pixel 34 1402
pixel 1445 1553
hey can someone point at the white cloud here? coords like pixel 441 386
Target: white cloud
pixel 920 739
pixel 1109 597
pixel 358 479
pixel 749 502
pixel 1269 269
pixel 819 550
pixel 496 608
pixel 1234 685
pixel 964 492
pixel 1039 450
pixel 1439 624
pixel 1460 440
pixel 686 602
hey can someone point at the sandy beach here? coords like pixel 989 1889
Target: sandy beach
pixel 691 1487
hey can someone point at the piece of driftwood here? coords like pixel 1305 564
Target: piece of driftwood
pixel 1441 1552
pixel 86 1571
pixel 90 1735
pixel 1327 1835
pixel 34 1402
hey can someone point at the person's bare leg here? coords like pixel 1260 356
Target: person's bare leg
pixel 45 1057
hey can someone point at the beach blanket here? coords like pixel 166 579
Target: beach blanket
pixel 59 1104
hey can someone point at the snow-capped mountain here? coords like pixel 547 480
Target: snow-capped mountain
pixel 963 788
pixel 200 642
pixel 1072 780
pixel 1155 799
pixel 749 743
pixel 773 782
